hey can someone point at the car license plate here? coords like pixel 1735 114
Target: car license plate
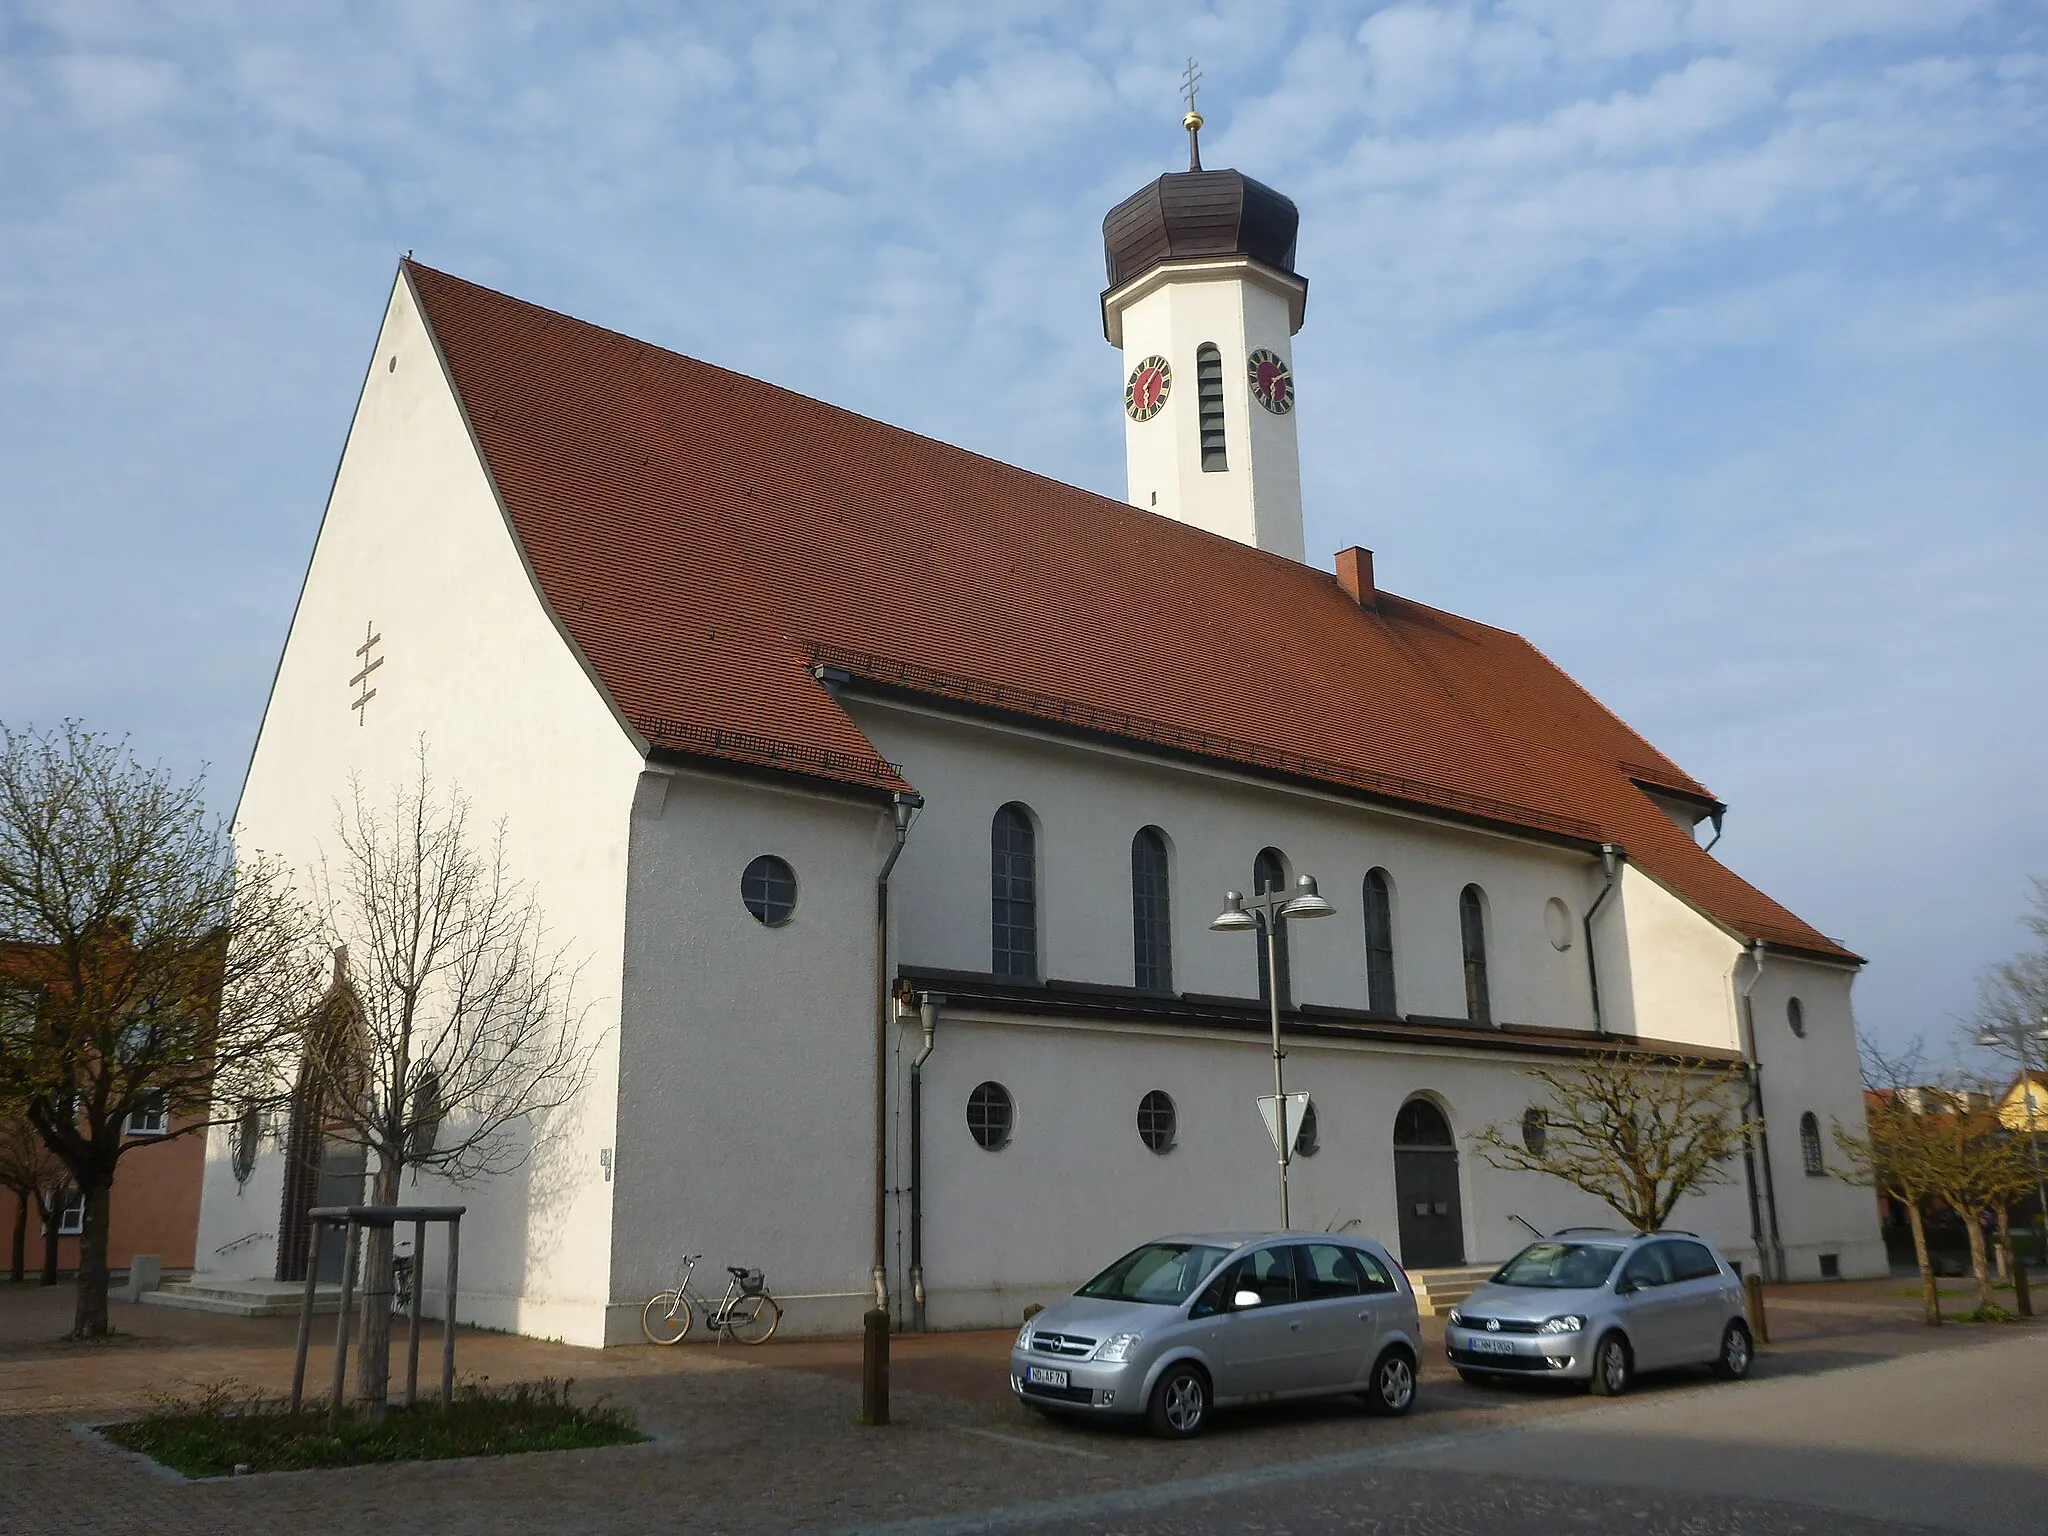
pixel 1492 1347
pixel 1044 1376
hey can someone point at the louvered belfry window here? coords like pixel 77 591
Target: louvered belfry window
pixel 1379 942
pixel 1209 398
pixel 1472 931
pixel 1013 894
pixel 1151 925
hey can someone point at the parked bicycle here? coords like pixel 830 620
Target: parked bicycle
pixel 746 1312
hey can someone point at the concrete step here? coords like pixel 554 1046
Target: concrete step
pixel 244 1298
pixel 1439 1290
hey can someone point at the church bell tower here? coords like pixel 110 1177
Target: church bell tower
pixel 1203 300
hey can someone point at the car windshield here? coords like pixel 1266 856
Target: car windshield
pixel 1560 1266
pixel 1163 1274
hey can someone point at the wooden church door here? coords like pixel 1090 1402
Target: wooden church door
pixel 1432 1221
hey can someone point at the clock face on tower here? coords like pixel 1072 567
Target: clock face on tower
pixel 1151 382
pixel 1272 382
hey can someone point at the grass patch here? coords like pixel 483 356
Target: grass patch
pixel 1990 1314
pixel 226 1428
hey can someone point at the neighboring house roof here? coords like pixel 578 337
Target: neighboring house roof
pixel 706 538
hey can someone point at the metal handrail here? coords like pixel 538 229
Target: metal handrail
pixel 245 1238
pixel 1529 1224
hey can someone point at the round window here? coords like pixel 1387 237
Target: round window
pixel 1557 924
pixel 1535 1131
pixel 1795 1015
pixel 1305 1139
pixel 243 1137
pixel 1156 1119
pixel 990 1115
pixel 769 890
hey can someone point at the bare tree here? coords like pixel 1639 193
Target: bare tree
pixel 1636 1130
pixel 1900 1151
pixel 453 1028
pixel 31 1172
pixel 144 969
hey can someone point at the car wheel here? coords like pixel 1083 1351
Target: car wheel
pixel 1180 1403
pixel 1392 1392
pixel 1612 1366
pixel 1733 1363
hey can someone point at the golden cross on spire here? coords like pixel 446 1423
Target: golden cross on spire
pixel 1190 78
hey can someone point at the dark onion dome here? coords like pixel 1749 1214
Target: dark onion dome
pixel 1193 214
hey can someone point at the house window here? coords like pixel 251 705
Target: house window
pixel 1831 1266
pixel 1809 1145
pixel 1379 942
pixel 152 1117
pixel 1013 894
pixel 1157 1126
pixel 768 887
pixel 990 1115
pixel 71 1220
pixel 1795 1015
pixel 1209 397
pixel 1151 925
pixel 243 1138
pixel 425 1125
pixel 1535 1131
pixel 1269 874
pixel 1472 931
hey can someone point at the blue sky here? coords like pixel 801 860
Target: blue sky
pixel 1705 342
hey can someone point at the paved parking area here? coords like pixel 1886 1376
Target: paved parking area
pixel 767 1439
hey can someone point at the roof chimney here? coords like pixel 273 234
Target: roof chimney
pixel 1354 575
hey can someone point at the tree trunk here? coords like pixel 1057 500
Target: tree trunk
pixel 1930 1292
pixel 18 1256
pixel 1980 1263
pixel 2004 1249
pixel 373 1358
pixel 90 1320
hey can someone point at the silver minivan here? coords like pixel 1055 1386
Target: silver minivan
pixel 1594 1305
pixel 1194 1322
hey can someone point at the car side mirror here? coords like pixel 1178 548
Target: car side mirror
pixel 1246 1299
pixel 1627 1287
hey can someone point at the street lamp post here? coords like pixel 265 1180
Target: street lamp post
pixel 2016 1038
pixel 1275 907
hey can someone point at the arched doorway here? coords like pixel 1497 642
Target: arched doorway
pixel 1432 1223
pixel 320 1168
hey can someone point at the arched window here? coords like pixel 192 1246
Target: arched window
pixel 1379 942
pixel 1309 1139
pixel 1269 874
pixel 1013 894
pixel 1421 1124
pixel 1809 1144
pixel 1472 932
pixel 1151 917
pixel 1209 398
pixel 1795 1015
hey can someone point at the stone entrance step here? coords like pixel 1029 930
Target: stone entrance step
pixel 1439 1290
pixel 243 1298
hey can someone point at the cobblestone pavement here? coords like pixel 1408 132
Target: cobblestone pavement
pixel 767 1440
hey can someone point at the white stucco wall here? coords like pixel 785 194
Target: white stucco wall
pixel 1077 1185
pixel 746 1119
pixel 414 546
pixel 1817 1074
pixel 1673 984
pixel 1090 801
pixel 1257 499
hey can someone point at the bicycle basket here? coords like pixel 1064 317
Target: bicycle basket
pixel 753 1283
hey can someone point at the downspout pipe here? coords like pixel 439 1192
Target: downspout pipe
pixel 1763 1215
pixel 928 1005
pixel 904 808
pixel 1611 858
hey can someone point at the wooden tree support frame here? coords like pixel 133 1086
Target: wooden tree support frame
pixel 354 1218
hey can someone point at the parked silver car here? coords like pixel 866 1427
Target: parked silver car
pixel 1190 1323
pixel 1593 1305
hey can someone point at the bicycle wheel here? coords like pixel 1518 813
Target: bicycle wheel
pixel 666 1318
pixel 753 1319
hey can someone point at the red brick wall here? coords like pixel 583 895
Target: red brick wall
pixel 155 1204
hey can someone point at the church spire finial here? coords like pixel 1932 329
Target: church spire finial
pixel 1190 78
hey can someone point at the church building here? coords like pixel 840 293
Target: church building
pixel 887 794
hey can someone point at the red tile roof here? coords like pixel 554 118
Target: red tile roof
pixel 703 537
